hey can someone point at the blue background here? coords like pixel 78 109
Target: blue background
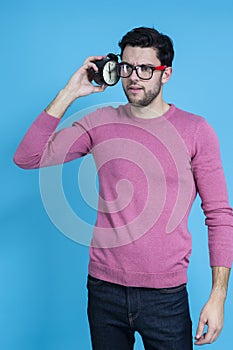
pixel 42 272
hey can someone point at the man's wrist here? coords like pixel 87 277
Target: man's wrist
pixel 60 104
pixel 219 293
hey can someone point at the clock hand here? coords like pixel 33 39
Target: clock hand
pixel 109 71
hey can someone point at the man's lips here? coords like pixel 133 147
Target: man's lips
pixel 134 88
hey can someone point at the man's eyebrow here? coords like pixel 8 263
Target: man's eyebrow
pixel 141 64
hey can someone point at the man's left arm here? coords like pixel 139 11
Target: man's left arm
pixel 211 184
pixel 212 314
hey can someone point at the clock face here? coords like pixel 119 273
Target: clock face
pixel 110 74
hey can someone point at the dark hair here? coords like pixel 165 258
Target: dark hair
pixel 150 37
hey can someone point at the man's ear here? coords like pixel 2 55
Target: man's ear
pixel 166 75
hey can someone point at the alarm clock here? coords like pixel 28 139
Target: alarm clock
pixel 107 71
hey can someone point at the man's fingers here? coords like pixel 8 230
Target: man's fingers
pixel 89 65
pixel 207 338
pixel 200 329
pixel 89 62
pixel 93 58
pixel 100 88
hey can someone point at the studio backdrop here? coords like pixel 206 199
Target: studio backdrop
pixel 43 266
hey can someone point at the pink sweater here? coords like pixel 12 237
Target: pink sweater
pixel 150 171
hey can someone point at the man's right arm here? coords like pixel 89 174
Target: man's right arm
pixel 41 145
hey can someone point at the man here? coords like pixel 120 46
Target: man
pixel 152 159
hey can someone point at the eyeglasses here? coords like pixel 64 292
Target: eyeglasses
pixel 143 71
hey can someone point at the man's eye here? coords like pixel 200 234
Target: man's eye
pixel 126 66
pixel 145 68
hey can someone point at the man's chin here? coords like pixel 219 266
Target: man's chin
pixel 138 103
pixel 135 101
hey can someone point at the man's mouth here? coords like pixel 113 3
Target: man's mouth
pixel 134 88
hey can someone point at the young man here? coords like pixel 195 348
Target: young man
pixel 152 159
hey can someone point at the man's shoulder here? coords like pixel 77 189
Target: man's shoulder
pixel 193 125
pixel 187 117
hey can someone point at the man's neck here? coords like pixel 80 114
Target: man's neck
pixel 154 110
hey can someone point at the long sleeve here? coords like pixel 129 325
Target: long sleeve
pixel 43 146
pixel 211 185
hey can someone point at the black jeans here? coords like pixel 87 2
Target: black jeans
pixel 161 316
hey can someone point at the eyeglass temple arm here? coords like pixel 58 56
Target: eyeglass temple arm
pixel 160 67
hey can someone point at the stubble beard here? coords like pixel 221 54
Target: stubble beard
pixel 147 99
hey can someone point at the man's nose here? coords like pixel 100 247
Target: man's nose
pixel 134 76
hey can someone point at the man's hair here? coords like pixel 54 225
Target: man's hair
pixel 150 37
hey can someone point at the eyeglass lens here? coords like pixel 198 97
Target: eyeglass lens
pixel 143 71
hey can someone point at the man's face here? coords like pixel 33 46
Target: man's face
pixel 141 92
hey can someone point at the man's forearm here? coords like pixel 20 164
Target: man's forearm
pixel 220 278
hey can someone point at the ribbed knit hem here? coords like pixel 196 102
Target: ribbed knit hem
pixel 137 279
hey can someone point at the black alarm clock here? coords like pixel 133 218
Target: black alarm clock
pixel 107 71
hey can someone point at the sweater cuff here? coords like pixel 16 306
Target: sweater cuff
pixel 46 122
pixel 220 259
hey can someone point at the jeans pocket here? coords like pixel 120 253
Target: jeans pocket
pixel 173 289
pixel 93 281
